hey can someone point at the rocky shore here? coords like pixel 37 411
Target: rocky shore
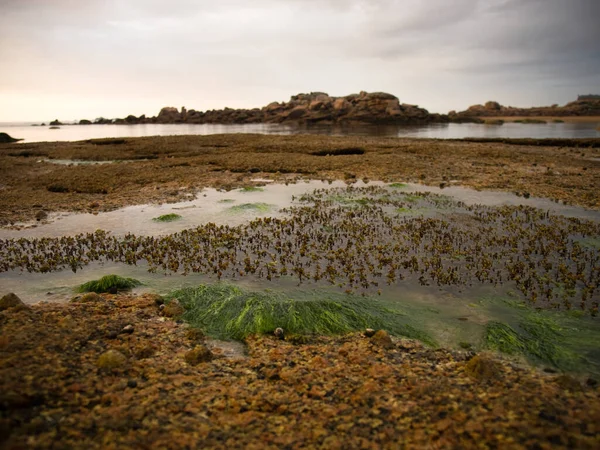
pixel 115 371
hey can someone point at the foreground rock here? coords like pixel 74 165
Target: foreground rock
pixel 65 385
pixel 11 300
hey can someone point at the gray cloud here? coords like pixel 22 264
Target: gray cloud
pixel 112 57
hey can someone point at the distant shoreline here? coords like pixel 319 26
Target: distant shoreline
pixel 549 119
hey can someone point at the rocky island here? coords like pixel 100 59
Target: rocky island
pixel 584 106
pixel 315 107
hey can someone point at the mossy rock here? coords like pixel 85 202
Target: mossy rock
pixel 111 360
pixel 195 335
pixel 200 353
pixel 382 339
pixel 90 297
pixel 173 309
pixel 483 368
pixel 11 300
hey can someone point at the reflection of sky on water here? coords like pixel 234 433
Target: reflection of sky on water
pixel 436 131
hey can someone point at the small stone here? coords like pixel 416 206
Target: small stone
pixel 369 332
pixel 483 368
pixel 11 301
pixel 173 309
pixel 41 215
pixel 90 297
pixel 127 329
pixel 131 383
pixel 279 333
pixel 382 339
pixel 111 359
pixel 195 335
pixel 568 383
pixel 200 353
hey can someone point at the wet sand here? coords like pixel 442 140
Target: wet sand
pixel 175 168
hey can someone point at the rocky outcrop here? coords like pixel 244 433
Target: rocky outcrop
pixel 315 107
pixel 7 139
pixel 581 107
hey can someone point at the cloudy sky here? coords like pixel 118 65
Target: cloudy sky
pixel 73 59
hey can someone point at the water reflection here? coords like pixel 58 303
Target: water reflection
pixel 438 130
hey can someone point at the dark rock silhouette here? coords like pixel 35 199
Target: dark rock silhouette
pixel 6 139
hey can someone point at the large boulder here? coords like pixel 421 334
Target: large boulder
pixel 168 114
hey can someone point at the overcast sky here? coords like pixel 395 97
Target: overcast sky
pixel 73 59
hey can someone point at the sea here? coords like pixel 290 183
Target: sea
pixel 29 132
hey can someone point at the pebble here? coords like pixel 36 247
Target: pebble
pixel 127 329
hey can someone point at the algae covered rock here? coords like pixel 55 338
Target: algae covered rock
pixel 111 360
pixel 11 301
pixel 382 339
pixel 173 309
pixel 483 368
pixel 90 297
pixel 200 353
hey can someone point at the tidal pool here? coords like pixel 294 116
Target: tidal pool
pixel 458 267
pixel 223 208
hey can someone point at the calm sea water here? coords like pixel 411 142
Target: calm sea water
pixel 440 131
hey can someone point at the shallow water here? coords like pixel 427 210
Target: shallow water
pixel 438 131
pixel 226 208
pixel 453 294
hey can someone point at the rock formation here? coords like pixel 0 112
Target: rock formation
pixel 316 107
pixel 584 106
pixel 6 138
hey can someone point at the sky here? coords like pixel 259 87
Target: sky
pixel 75 59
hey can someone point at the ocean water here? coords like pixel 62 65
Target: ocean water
pixel 30 133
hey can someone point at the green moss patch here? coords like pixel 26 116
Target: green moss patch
pixel 398 185
pixel 228 312
pixel 109 283
pixel 167 218
pixel 256 207
pixel 251 189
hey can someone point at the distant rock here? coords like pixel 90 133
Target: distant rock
pixel 7 139
pixel 168 114
pixel 305 108
pixel 56 122
pixel 581 107
pixel 85 122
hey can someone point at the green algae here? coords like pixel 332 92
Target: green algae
pixel 251 189
pixel 167 218
pixel 109 283
pixel 226 311
pixel 256 207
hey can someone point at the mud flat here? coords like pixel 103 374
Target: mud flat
pixel 175 168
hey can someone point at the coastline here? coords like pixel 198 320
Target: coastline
pixel 157 391
pixel 548 119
